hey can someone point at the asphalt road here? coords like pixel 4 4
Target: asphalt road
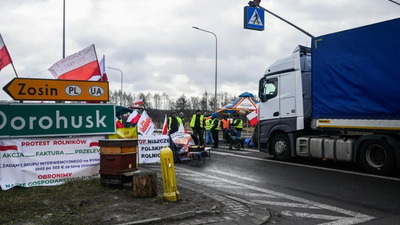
pixel 297 193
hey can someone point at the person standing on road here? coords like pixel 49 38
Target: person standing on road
pixel 225 126
pixel 182 116
pixel 197 125
pixel 215 124
pixel 173 126
pixel 173 123
pixel 238 124
pixel 209 138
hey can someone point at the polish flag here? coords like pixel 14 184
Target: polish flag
pixel 133 117
pixel 138 103
pixel 253 118
pixel 103 69
pixel 5 58
pixel 79 66
pixel 118 123
pixel 165 126
pixel 182 129
pixel 103 76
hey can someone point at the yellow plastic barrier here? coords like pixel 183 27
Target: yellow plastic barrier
pixel 171 193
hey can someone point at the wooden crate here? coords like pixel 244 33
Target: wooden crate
pixel 116 146
pixel 117 164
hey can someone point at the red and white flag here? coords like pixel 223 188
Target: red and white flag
pixel 5 58
pixel 182 129
pixel 79 66
pixel 133 117
pixel 118 123
pixel 145 126
pixel 138 103
pixel 103 76
pixel 253 118
pixel 165 126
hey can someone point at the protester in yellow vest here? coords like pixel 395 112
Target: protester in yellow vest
pixel 238 125
pixel 197 125
pixel 215 124
pixel 182 117
pixel 209 138
pixel 173 123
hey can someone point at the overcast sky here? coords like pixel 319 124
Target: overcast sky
pixel 153 42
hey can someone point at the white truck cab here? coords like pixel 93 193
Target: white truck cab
pixel 285 93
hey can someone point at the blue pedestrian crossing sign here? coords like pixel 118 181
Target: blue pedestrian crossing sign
pixel 253 18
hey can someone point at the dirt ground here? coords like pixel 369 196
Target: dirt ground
pixel 89 202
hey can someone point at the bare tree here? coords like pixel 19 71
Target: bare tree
pixel 157 100
pixel 204 102
pixel 113 97
pixel 195 103
pixel 182 103
pixel 166 101
pixel 149 101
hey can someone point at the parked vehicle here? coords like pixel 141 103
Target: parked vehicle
pixel 338 100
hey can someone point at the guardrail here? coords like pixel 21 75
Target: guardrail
pixel 244 134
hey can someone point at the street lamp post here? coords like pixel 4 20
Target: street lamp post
pixel 122 80
pixel 63 53
pixel 394 2
pixel 216 63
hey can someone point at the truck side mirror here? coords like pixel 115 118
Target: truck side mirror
pixel 263 98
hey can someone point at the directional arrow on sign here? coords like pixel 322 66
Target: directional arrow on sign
pixel 56 90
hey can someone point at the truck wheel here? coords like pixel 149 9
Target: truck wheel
pixel 281 147
pixel 377 157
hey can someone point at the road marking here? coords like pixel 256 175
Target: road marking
pixel 224 186
pixel 307 166
pixel 241 151
pixel 187 174
pixel 285 204
pixel 260 195
pixel 353 219
pixel 313 216
pixel 232 175
pixel 337 220
pixel 205 180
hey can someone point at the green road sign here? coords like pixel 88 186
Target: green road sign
pixel 30 120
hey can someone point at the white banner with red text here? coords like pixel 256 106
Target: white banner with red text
pixel 150 146
pixel 32 162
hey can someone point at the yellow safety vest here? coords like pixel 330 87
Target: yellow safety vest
pixel 213 123
pixel 170 122
pixel 193 121
pixel 208 124
pixel 240 125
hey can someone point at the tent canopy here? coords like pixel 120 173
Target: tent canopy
pixel 246 94
pixel 120 110
pixel 245 104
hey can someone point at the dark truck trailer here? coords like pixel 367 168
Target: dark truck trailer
pixel 338 100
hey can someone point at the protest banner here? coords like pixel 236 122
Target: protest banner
pixel 32 162
pixel 181 138
pixel 125 133
pixel 150 146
